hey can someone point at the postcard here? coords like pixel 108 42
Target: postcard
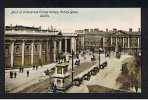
pixel 72 50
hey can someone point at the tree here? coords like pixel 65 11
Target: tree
pixel 131 73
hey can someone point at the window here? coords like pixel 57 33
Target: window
pixel 65 70
pixel 6 50
pixel 17 49
pixel 58 82
pixel 59 70
pixel 27 48
pixel 36 48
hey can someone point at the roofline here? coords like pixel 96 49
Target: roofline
pixel 21 33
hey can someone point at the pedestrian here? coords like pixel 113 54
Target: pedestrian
pixel 20 69
pixel 33 67
pixel 11 74
pixel 36 67
pixel 27 73
pixel 15 74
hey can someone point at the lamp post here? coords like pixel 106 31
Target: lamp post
pixel 72 67
pixel 99 56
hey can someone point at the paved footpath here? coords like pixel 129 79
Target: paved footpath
pixel 35 76
pixel 22 81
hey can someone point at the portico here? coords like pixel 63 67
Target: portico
pixel 28 49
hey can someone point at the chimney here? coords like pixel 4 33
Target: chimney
pixel 39 27
pixel 91 30
pixel 130 30
pixel 114 30
pixel 86 30
pixel 11 27
pixel 48 29
pixel 106 29
pixel 51 28
pixel 139 30
pixel 96 30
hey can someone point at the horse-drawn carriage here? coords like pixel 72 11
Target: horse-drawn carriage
pixel 77 62
pixel 93 58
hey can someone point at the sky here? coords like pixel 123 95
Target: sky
pixel 71 19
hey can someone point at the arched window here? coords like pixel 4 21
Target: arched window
pixel 6 50
pixel 27 48
pixel 36 48
pixel 17 49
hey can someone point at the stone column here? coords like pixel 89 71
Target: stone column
pixel 32 49
pixel 82 42
pixel 60 46
pixel 116 41
pixel 47 51
pixel 65 45
pixel 40 50
pixel 54 51
pixel 128 42
pixel 116 46
pixel 103 42
pixel 12 53
pixel 75 45
pixel 71 44
pixel 111 41
pixel 123 42
pixel 23 49
pixel 138 44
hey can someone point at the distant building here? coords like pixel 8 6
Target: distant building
pixel 127 40
pixel 80 41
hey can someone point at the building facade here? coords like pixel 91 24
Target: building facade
pixel 127 41
pixel 28 46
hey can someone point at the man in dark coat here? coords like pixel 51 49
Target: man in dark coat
pixel 27 73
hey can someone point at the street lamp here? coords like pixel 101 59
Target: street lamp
pixel 99 56
pixel 72 67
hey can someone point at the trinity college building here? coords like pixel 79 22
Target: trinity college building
pixel 28 46
pixel 110 40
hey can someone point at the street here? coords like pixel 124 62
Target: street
pixel 105 79
pixel 38 82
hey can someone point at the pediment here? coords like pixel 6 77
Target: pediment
pixel 60 33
